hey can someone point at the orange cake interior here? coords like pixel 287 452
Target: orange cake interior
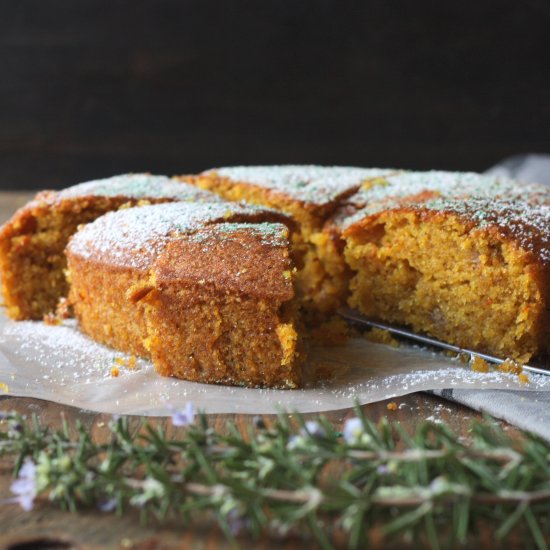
pixel 473 273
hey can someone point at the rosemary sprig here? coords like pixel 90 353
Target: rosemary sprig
pixel 305 478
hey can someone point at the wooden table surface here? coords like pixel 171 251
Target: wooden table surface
pixel 47 527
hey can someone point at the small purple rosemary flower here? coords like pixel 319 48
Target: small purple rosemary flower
pixel 382 470
pixel 293 442
pixel 185 416
pixel 107 504
pixel 24 487
pixel 314 429
pixel 353 430
pixel 237 522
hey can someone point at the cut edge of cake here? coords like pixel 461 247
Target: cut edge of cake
pixel 473 273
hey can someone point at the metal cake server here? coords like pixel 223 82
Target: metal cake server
pixel 356 318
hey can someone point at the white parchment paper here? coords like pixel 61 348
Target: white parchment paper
pixel 59 364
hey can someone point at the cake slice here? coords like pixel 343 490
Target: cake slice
pixel 32 243
pixel 475 273
pixel 310 194
pixel 401 188
pixel 205 290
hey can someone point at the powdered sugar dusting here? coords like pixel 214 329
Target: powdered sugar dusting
pixel 308 183
pixel 139 186
pixel 70 355
pixel 134 237
pixel 528 223
pixel 393 189
pixel 460 184
pixel 269 233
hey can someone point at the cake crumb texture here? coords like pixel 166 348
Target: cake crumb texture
pixel 473 273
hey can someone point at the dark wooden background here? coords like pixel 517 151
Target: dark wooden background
pixel 90 88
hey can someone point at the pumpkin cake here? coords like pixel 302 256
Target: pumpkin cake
pixel 213 291
pixel 32 243
pixel 475 272
pixel 205 291
pixel 310 194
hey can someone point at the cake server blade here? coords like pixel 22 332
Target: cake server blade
pixel 356 318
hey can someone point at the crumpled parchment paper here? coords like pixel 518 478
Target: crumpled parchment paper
pixel 58 363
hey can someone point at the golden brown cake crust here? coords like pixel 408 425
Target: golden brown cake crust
pixel 526 224
pixel 250 262
pixel 316 186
